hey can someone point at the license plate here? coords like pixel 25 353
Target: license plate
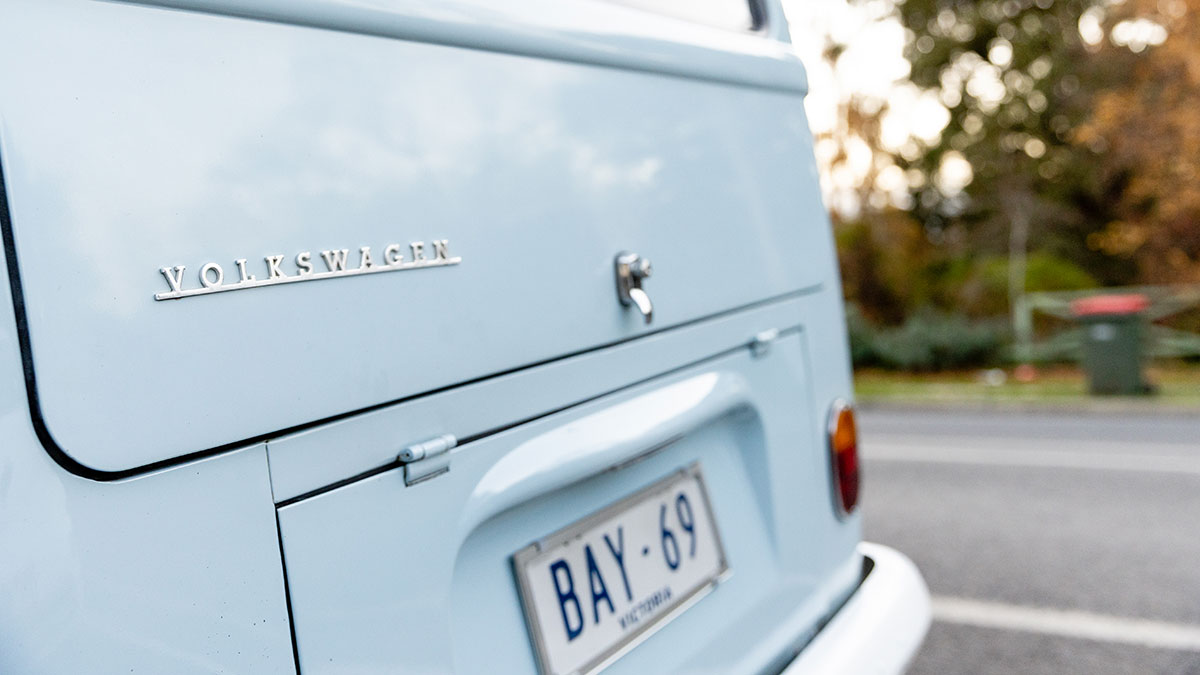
pixel 595 589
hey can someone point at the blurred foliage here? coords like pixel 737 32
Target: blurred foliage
pixel 1150 128
pixel 890 270
pixel 1080 123
pixel 884 265
pixel 980 284
pixel 927 341
pixel 1019 80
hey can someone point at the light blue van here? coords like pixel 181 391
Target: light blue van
pixel 407 336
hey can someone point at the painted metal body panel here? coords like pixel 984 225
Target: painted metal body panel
pixel 155 150
pixel 354 578
pixel 313 458
pixel 172 572
pixel 582 31
pixel 540 138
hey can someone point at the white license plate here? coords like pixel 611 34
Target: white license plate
pixel 595 589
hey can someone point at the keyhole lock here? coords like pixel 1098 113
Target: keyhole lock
pixel 632 270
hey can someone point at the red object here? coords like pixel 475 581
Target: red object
pixel 843 450
pixel 1109 304
pixel 1025 373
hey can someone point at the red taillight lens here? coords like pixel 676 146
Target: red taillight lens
pixel 843 451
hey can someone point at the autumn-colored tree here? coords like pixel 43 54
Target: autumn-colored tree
pixel 1074 131
pixel 881 247
pixel 1017 79
pixel 1149 126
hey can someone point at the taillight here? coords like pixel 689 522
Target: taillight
pixel 843 455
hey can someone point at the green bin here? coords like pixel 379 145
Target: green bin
pixel 1112 343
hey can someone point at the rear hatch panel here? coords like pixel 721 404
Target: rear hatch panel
pixel 365 558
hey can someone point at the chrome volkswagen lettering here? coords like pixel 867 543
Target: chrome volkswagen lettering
pixel 212 277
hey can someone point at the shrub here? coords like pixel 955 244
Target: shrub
pixel 927 341
pixel 862 338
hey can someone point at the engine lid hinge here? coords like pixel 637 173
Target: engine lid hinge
pixel 430 459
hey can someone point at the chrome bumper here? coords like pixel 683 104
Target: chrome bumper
pixel 879 628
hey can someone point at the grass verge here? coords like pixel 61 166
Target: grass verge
pixel 1177 386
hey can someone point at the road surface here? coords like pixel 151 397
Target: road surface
pixel 1056 543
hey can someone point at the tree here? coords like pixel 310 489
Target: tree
pixel 1019 78
pixel 1073 133
pixel 1150 126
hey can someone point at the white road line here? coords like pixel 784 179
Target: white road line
pixel 1002 442
pixel 1067 623
pixel 1015 455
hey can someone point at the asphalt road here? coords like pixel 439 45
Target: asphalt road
pixel 1052 543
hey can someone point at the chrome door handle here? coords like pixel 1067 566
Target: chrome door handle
pixel 632 270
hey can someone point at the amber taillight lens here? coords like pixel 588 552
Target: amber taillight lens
pixel 843 451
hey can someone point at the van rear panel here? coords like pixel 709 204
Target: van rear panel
pixel 453 213
pixel 364 254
